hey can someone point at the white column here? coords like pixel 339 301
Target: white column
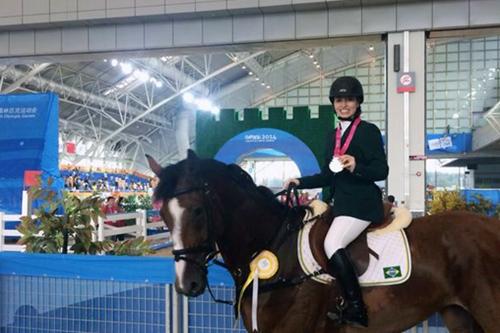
pixel 25 204
pixel 406 122
pixel 182 132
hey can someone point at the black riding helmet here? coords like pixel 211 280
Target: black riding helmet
pixel 346 86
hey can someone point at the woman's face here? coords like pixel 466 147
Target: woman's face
pixel 345 106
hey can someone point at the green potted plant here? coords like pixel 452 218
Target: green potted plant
pixel 46 231
pixel 446 200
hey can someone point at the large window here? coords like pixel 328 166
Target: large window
pixel 365 63
pixel 462 82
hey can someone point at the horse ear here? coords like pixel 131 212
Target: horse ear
pixel 191 155
pixel 153 165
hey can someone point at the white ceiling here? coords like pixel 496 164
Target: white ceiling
pixel 111 112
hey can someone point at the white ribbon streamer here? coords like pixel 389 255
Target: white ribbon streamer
pixel 255 297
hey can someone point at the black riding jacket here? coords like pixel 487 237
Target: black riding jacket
pixel 355 194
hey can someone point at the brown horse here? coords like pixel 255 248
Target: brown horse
pixel 212 207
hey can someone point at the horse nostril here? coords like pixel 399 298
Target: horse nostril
pixel 194 286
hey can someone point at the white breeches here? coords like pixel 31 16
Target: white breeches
pixel 343 230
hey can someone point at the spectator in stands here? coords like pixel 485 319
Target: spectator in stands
pixel 121 208
pixel 111 207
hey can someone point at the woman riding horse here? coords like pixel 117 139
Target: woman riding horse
pixel 351 169
pixel 211 207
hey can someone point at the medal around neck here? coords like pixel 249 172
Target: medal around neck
pixel 335 165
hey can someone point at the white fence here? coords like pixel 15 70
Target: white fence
pixel 137 229
pixel 9 233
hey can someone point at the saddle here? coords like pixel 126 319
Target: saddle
pixel 358 249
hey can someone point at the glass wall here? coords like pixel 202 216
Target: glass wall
pixel 367 64
pixel 462 82
pixel 463 87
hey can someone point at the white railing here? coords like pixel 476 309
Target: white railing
pixel 155 226
pixel 103 230
pixel 138 229
pixel 9 233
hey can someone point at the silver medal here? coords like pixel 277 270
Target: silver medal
pixel 335 165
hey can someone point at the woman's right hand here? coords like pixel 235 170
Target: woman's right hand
pixel 291 181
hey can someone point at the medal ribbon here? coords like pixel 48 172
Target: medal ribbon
pixel 338 151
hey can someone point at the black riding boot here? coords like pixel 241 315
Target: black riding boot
pixel 354 312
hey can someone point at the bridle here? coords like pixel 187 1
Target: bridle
pixel 208 245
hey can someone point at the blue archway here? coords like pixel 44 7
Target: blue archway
pixel 269 138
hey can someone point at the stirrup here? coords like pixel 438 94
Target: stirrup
pixel 338 315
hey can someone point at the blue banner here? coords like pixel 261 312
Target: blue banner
pixel 493 195
pixel 456 143
pixel 28 141
pixel 90 267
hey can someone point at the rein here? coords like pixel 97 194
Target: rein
pixel 280 237
pixel 208 246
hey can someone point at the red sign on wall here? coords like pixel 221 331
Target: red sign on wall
pixel 70 147
pixel 406 82
pixel 32 177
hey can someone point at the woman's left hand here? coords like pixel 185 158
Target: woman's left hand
pixel 349 162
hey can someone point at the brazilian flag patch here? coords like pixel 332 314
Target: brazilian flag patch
pixel 392 272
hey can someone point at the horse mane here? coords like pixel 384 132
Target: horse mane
pixel 168 181
pixel 244 180
pixel 169 177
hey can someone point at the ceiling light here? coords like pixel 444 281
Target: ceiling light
pixel 371 48
pixel 262 84
pixel 243 67
pixel 318 66
pixel 455 116
pixel 114 62
pixel 143 76
pixel 311 56
pixel 204 104
pixel 250 73
pixel 126 68
pixel 268 87
pixel 315 62
pixel 188 97
pixel 215 110
pixel 257 79
pixel 158 84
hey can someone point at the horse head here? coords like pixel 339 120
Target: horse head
pixel 210 206
pixel 186 212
